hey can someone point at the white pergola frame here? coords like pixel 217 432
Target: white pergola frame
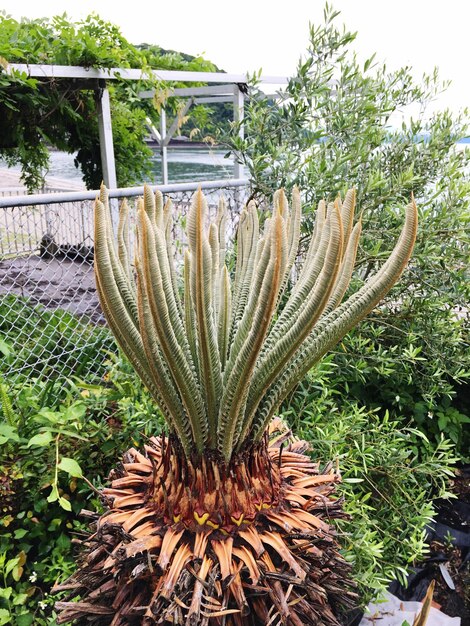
pixel 226 89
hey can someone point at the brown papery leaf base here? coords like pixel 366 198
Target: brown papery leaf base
pixel 212 545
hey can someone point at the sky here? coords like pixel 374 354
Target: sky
pixel 249 35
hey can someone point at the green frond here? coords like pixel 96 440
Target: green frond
pixel 159 218
pixel 189 317
pixel 347 215
pixel 162 253
pixel 168 231
pixel 177 419
pixel 202 298
pixel 214 246
pixel 292 222
pixel 294 228
pixel 256 321
pixel 123 241
pixel 150 206
pixel 240 331
pixel 168 209
pixel 214 352
pixel 334 325
pixel 346 269
pixel 239 258
pixel 221 223
pixel 224 314
pixel 248 237
pixel 122 278
pixel 320 218
pixel 167 325
pixel 112 303
pixel 309 273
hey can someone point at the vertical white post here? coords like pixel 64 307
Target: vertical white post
pixel 105 130
pixel 163 148
pixel 106 139
pixel 238 115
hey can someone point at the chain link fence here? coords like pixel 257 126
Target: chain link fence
pixel 51 323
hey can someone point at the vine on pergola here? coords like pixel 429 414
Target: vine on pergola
pixel 38 113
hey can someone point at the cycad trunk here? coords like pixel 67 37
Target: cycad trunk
pixel 207 543
pixel 226 521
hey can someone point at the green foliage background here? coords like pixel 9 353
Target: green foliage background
pixel 58 442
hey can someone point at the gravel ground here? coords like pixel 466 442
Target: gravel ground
pixel 54 283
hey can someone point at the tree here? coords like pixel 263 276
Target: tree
pixel 226 516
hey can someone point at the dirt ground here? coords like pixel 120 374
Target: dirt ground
pixel 54 283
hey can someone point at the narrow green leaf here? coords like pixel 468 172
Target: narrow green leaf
pixel 54 495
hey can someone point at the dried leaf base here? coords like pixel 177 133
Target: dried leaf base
pixel 248 544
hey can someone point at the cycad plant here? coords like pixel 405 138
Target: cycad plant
pixel 224 520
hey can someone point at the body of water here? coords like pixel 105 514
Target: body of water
pixel 183 166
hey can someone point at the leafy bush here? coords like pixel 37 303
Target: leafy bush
pixel 49 437
pixel 338 125
pixel 390 476
pixel 45 450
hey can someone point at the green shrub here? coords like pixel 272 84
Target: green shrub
pixel 51 436
pixel 390 476
pixel 339 124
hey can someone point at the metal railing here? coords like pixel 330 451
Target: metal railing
pixel 50 320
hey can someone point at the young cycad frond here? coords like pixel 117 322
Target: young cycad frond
pixel 222 522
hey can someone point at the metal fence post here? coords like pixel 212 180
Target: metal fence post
pixel 106 138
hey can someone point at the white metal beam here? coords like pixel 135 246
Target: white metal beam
pixel 153 131
pixel 208 90
pixel 182 92
pixel 68 71
pixel 213 99
pixel 163 148
pixel 105 130
pixel 174 126
pixel 238 115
